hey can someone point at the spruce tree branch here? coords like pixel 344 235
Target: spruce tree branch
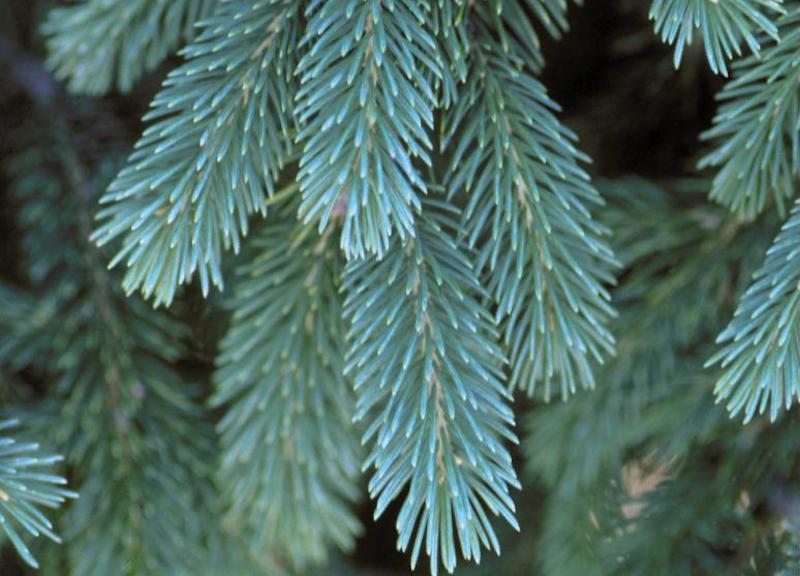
pixel 289 450
pixel 685 265
pixel 429 380
pixel 117 395
pixel 760 352
pixel 97 45
pixel 756 131
pixel 219 137
pixel 365 106
pixel 543 255
pixel 723 24
pixel 26 486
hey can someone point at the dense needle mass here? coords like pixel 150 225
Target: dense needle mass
pixel 377 242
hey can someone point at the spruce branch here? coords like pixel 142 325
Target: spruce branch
pixel 428 376
pixel 220 133
pixel 24 325
pixel 27 484
pixel 290 459
pixel 685 267
pixel 760 348
pixel 97 45
pixel 723 25
pixel 756 130
pixel 366 108
pixel 543 255
pixel 516 22
pixel 123 416
pixel 448 23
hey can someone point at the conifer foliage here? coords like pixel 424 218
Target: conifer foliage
pixel 288 406
pixel 433 382
pixel 393 231
pixel 761 353
pixel 220 133
pixel 723 25
pixel 355 85
pixel 100 44
pixel 118 410
pixel 365 104
pixel 27 484
pixel 756 128
pixel 529 209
